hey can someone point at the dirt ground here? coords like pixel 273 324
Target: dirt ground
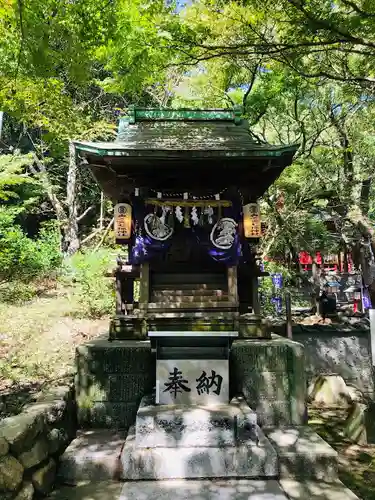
pixel 356 463
pixel 37 346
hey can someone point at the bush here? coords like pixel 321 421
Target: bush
pixel 85 272
pixel 22 259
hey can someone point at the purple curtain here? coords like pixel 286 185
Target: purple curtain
pixel 222 239
pixel 153 234
pixel 149 239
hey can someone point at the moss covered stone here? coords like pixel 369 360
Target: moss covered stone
pixel 111 379
pixel 270 374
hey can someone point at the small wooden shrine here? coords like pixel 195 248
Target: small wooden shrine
pixel 185 184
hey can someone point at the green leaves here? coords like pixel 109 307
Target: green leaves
pixel 13 178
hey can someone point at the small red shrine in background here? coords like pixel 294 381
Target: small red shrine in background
pixel 329 262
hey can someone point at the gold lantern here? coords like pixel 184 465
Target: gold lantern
pixel 123 221
pixel 251 221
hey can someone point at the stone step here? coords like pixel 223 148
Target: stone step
pixel 189 286
pixel 313 490
pixel 190 292
pixel 93 456
pixel 193 306
pixel 244 461
pixel 230 489
pixel 178 299
pixel 191 442
pixel 304 455
pixel 180 426
pixel 191 315
pixel 195 278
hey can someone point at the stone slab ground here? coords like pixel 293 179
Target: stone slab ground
pixel 303 454
pixel 94 455
pixel 175 490
pixel 310 490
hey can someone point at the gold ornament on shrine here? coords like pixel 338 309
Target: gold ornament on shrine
pixel 123 221
pixel 252 221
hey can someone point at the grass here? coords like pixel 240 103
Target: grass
pixel 37 345
pixel 356 463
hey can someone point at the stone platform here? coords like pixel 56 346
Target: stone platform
pixel 113 376
pixel 178 442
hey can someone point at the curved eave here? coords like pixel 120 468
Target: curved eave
pixel 261 151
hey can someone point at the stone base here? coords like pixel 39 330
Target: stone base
pixel 304 455
pixel 246 461
pixel 178 442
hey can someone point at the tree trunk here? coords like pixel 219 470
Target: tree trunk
pixel 71 235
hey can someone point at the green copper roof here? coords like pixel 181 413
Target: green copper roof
pixel 154 132
pixel 136 115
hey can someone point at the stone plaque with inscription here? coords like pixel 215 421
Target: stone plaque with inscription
pixel 197 382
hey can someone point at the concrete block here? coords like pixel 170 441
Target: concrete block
pixel 246 460
pixel 316 490
pixel 93 455
pixel 304 455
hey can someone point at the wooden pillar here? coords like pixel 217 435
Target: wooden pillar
pixel 232 284
pixel 118 284
pixel 255 293
pixel 144 285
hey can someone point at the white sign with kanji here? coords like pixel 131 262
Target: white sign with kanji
pixel 198 381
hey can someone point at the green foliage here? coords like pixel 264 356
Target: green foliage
pixel 15 183
pixel 23 258
pixel 85 272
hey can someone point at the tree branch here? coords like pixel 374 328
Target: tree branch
pixel 356 9
pixel 83 214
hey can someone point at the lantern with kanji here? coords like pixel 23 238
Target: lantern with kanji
pixel 123 222
pixel 251 221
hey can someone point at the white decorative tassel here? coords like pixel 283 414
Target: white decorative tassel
pixel 179 214
pixel 194 216
pixel 209 211
pixel 164 214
